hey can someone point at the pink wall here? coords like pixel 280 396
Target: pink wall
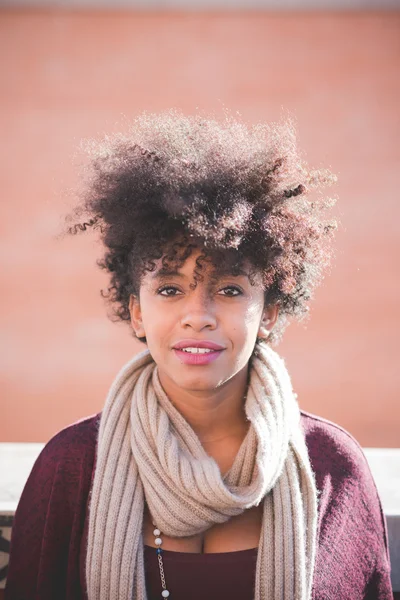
pixel 66 76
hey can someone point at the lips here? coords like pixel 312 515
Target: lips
pixel 197 358
pixel 192 343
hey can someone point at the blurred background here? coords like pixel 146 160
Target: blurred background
pixel 82 69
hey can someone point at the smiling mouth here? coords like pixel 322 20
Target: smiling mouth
pixel 198 350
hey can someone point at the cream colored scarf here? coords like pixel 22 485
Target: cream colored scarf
pixel 148 451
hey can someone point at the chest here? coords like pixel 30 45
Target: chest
pixel 238 533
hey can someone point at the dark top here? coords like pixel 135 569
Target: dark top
pixel 49 534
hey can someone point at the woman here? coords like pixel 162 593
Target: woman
pixel 201 478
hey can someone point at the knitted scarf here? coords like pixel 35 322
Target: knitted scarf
pixel 148 452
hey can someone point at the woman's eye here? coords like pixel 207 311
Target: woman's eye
pixel 171 291
pixel 167 290
pixel 232 291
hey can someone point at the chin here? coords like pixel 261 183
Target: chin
pixel 200 383
pixel 196 384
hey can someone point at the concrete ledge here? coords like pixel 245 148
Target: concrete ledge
pixel 16 461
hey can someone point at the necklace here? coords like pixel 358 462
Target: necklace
pixel 158 542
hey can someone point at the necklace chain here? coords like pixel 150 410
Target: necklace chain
pixel 158 542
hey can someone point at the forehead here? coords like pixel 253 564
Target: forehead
pixel 210 266
pixel 209 270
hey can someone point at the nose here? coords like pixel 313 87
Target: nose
pixel 199 312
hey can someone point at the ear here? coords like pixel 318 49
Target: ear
pixel 136 316
pixel 268 320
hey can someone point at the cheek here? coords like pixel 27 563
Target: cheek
pixel 157 322
pixel 152 320
pixel 253 314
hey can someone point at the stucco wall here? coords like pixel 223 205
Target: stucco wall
pixel 69 75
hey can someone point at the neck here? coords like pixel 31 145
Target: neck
pixel 214 415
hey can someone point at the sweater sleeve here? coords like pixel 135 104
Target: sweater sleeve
pixel 378 586
pixel 49 520
pixel 353 554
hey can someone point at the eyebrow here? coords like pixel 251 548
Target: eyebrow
pixel 163 272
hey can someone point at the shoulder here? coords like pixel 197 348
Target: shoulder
pixel 66 463
pixel 333 449
pixel 74 442
pixel 340 465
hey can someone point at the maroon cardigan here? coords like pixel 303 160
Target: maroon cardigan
pixel 49 534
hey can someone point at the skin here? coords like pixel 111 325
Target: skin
pixel 230 312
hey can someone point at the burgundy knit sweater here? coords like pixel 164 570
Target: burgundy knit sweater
pixel 49 534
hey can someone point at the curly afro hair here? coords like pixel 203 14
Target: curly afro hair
pixel 175 182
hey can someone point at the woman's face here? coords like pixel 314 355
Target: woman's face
pixel 223 316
